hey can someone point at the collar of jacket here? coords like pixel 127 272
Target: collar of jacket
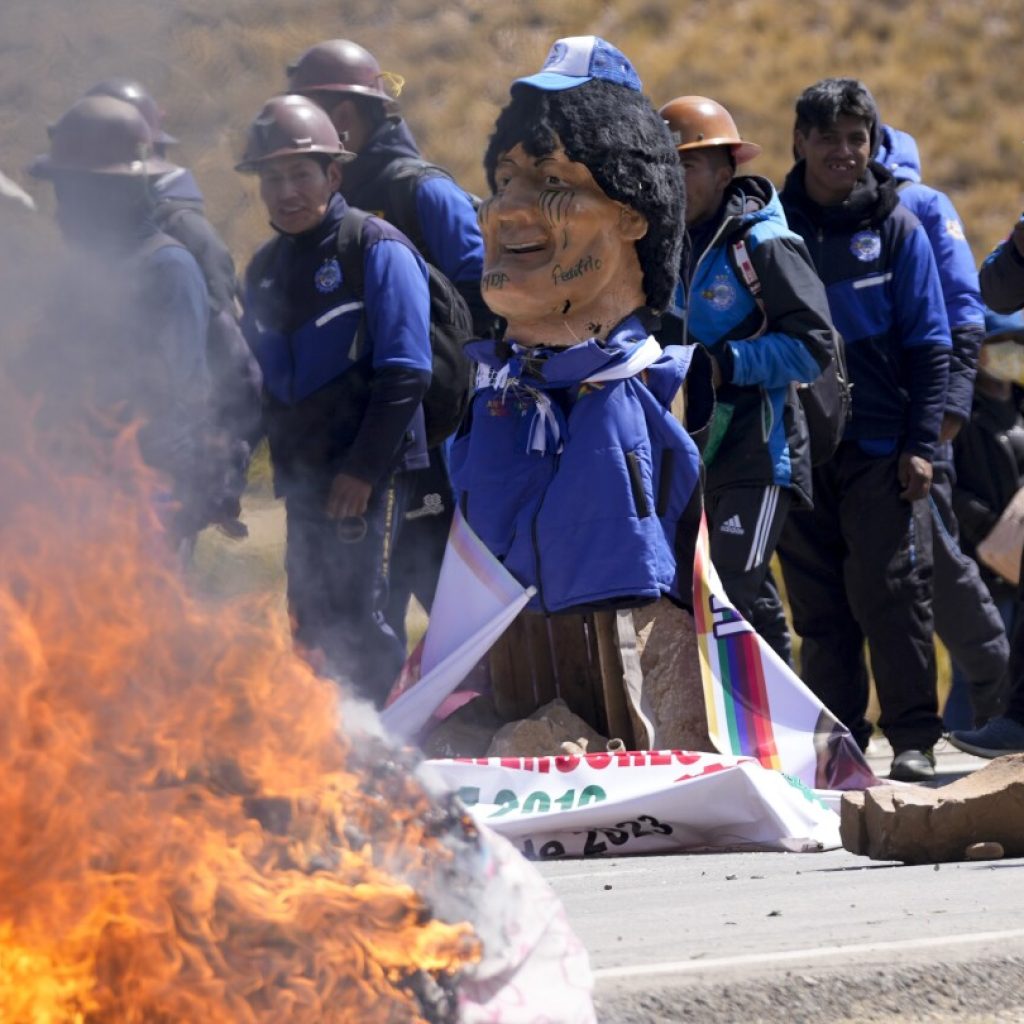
pixel 873 198
pixel 748 199
pixel 546 368
pixel 390 141
pixel 311 239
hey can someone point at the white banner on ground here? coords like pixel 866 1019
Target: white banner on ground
pixel 639 802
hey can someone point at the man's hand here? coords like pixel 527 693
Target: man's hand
pixel 1018 236
pixel 915 473
pixel 349 497
pixel 951 425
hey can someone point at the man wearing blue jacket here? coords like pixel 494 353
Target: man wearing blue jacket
pixel 750 294
pixel 179 211
pixel 344 373
pixel 136 304
pixel 390 178
pixel 966 618
pixel 859 564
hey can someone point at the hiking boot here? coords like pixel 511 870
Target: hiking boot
pixel 996 737
pixel 913 766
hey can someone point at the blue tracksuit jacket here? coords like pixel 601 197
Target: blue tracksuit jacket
pixel 598 503
pixel 343 375
pixel 886 300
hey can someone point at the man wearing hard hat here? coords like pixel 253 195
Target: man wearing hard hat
pixel 748 292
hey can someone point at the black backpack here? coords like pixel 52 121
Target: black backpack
pixel 826 401
pixel 451 326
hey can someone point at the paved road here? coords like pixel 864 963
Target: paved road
pixel 793 937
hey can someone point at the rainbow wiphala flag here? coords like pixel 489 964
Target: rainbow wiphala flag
pixel 756 705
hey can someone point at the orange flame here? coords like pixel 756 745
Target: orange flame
pixel 185 835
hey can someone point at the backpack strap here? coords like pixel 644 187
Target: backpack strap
pixel 349 245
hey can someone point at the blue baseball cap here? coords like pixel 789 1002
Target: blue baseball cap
pixel 577 60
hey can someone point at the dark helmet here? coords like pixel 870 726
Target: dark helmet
pixel 291 126
pixel 132 92
pixel 100 135
pixel 339 65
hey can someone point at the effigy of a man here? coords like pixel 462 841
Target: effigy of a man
pixel 572 467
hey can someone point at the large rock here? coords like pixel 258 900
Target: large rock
pixel 467 732
pixel 673 691
pixel 544 732
pixel 925 826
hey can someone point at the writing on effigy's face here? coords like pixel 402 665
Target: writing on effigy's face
pixel 495 279
pixel 584 265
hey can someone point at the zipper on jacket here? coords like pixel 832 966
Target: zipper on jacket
pixel 536 546
pixel 636 483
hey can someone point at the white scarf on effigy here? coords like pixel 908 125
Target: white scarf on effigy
pixel 545 431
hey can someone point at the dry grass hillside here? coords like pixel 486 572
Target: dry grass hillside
pixel 948 71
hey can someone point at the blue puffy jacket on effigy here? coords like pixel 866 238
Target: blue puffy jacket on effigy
pixel 573 470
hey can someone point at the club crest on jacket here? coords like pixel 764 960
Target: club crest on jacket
pixel 328 277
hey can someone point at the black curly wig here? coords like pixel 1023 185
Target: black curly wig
pixel 626 146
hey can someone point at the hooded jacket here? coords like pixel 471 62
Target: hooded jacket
pixel 587 490
pixel 954 260
pixel 446 217
pixel 886 301
pixel 343 375
pixel 763 346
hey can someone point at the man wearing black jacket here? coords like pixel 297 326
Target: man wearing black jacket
pixel 748 292
pixel 858 566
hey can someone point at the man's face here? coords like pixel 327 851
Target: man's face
pixel 707 173
pixel 553 241
pixel 836 158
pixel 296 191
pixel 349 118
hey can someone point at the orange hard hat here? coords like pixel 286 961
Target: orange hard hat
pixel 698 122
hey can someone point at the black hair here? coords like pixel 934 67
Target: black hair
pixel 619 137
pixel 822 104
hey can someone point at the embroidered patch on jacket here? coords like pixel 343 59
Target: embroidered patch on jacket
pixel 866 246
pixel 721 294
pixel 328 277
pixel 955 229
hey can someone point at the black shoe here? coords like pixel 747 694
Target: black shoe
pixel 913 766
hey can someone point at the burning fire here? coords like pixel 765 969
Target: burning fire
pixel 185 835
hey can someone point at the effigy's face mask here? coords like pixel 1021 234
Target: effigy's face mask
pixel 553 241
